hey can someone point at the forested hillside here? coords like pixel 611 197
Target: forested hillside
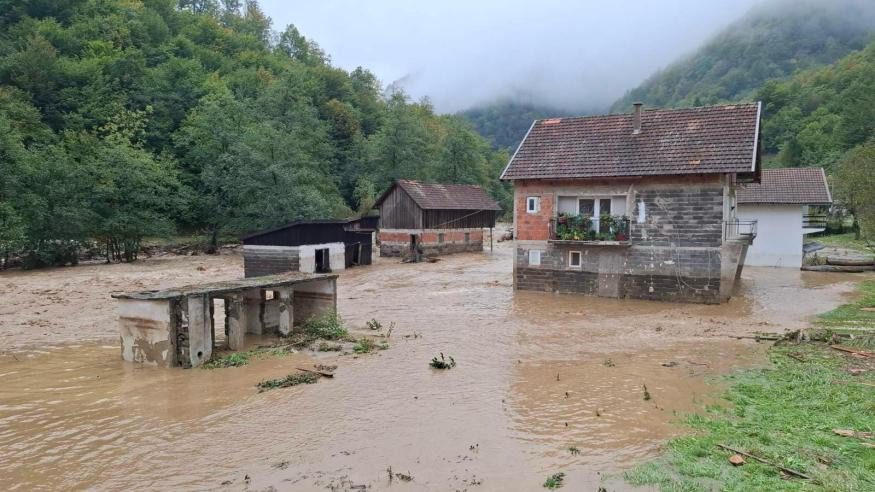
pixel 774 40
pixel 812 118
pixel 122 119
pixel 505 123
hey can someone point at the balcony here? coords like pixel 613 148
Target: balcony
pixel 740 230
pixel 607 230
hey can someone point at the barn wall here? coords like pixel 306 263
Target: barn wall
pixel 399 211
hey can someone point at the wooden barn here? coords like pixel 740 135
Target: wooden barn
pixel 309 246
pixel 433 219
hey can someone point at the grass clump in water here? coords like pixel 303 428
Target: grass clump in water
pixel 231 360
pixel 329 347
pixel 364 345
pixel 784 414
pixel 554 481
pixel 290 380
pixel 327 327
pixel 442 363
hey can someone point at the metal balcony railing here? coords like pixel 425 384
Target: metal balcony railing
pixel 740 229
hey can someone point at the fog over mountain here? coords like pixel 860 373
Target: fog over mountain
pixel 460 53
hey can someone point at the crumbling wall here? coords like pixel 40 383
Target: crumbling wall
pixel 147 332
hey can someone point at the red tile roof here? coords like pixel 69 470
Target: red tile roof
pixel 714 139
pixel 796 185
pixel 434 196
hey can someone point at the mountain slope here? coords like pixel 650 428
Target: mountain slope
pixel 772 41
pixel 812 118
pixel 505 123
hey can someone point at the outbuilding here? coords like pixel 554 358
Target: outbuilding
pixel 309 246
pixel 787 204
pixel 429 219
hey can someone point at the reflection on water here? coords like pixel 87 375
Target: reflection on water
pixel 537 374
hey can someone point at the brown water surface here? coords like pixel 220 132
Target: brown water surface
pixel 537 374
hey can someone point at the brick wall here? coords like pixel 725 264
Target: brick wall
pixel 691 216
pixel 533 226
pixel 270 260
pixel 432 242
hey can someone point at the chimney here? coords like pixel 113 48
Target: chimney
pixel 636 118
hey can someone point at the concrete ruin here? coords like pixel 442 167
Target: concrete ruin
pixel 176 327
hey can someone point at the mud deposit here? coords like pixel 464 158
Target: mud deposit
pixel 536 375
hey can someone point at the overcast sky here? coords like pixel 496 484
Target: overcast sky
pixel 572 54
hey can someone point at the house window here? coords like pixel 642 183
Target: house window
pixel 467 237
pixel 574 259
pixel 533 204
pixel 534 257
pixel 440 238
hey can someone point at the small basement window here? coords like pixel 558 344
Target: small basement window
pixel 534 257
pixel 533 204
pixel 574 259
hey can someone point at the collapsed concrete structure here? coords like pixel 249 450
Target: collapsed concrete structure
pixel 176 327
pixel 428 219
pixel 639 205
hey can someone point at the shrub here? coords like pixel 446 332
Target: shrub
pixel 327 326
pixel 442 363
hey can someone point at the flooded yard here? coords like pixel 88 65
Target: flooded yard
pixel 537 374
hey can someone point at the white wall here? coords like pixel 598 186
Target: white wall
pixel 779 234
pixel 337 252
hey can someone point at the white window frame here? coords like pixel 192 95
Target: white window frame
pixel 579 259
pixel 536 200
pixel 534 257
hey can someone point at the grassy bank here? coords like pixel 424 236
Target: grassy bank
pixel 786 414
pixel 847 241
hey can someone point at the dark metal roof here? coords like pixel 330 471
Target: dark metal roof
pixel 713 139
pixel 299 223
pixel 434 196
pixel 804 186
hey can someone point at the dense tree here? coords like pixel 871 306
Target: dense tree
pixel 855 186
pixel 121 120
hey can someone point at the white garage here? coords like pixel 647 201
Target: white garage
pixel 784 204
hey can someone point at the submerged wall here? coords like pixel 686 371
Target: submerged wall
pixel 431 242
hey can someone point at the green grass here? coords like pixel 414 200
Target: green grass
pixel 846 241
pixel 785 414
pixel 857 317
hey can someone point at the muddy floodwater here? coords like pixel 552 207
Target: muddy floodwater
pixel 537 374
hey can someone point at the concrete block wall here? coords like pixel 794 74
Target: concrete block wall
pixel 270 260
pixel 432 242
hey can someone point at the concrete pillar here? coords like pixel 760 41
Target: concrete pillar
pixel 287 313
pixel 253 302
pixel 200 331
pixel 236 322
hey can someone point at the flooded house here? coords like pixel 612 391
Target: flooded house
pixel 429 219
pixel 787 204
pixel 310 246
pixel 639 205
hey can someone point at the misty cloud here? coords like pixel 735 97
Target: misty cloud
pixel 578 55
